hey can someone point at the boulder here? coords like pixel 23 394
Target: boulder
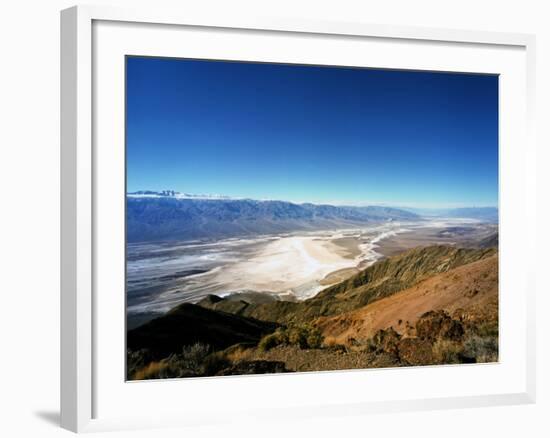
pixel 415 351
pixel 385 341
pixel 438 324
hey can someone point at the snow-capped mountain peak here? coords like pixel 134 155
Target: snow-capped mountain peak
pixel 174 194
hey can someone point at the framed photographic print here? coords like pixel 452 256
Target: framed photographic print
pixel 256 208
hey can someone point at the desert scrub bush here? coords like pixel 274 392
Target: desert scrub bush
pixel 194 360
pixel 191 358
pixel 487 329
pixel 302 335
pixel 386 341
pixel 482 349
pixel 238 353
pixel 153 370
pixel 315 338
pixel 447 352
pixel 198 360
pixel 278 337
pixel 305 336
pixel 136 360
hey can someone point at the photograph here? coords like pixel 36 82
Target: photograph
pixel 289 218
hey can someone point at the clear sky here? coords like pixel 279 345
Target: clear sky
pixel 312 134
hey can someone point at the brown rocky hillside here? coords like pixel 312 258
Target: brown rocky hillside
pixel 468 292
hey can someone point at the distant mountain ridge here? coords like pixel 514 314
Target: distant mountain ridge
pixel 175 195
pixel 484 214
pixel 170 215
pixel 489 214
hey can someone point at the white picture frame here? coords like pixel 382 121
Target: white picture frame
pixel 83 370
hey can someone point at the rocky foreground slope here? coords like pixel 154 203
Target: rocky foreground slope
pixel 431 305
pixel 468 293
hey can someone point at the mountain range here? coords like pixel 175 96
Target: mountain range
pixel 168 215
pixel 484 214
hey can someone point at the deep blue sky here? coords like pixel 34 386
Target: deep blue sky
pixel 308 133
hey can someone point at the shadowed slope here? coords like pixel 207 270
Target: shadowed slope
pixel 188 324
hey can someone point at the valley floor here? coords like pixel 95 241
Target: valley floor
pixel 288 267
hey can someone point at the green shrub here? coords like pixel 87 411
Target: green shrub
pixel 298 336
pixel 487 329
pixel 191 357
pixel 136 360
pixel 482 349
pixel 314 339
pixel 447 352
pixel 303 336
pixel 279 337
pixel 193 361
